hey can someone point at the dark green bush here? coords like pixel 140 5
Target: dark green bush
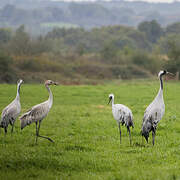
pixel 7 73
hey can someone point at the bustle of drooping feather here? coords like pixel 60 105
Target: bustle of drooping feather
pixel 26 119
pixel 36 113
pixel 131 123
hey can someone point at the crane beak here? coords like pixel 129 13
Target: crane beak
pixel 109 100
pixel 170 73
pixel 56 83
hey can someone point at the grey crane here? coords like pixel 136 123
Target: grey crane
pixel 12 111
pixel 154 112
pixel 38 112
pixel 123 115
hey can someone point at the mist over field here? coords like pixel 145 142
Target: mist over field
pixel 35 14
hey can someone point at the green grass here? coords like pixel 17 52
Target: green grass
pixel 86 135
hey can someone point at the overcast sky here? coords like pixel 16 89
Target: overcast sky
pixel 154 1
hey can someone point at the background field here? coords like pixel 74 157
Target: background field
pixel 86 135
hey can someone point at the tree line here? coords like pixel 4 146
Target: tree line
pixel 77 55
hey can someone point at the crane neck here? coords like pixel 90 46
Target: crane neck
pixel 161 82
pixel 18 91
pixel 160 93
pixel 50 99
pixel 112 101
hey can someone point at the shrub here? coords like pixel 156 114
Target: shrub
pixel 7 73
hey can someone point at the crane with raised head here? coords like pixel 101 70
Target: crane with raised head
pixel 154 112
pixel 12 111
pixel 38 112
pixel 123 115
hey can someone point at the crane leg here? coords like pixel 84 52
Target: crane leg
pixel 5 130
pixel 42 136
pixel 12 128
pixel 153 136
pixel 12 124
pixel 119 131
pixel 128 128
pixel 36 132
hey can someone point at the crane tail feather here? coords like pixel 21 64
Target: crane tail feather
pixel 25 120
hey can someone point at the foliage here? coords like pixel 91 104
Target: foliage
pixel 173 64
pixel 5 35
pixel 173 28
pixel 7 72
pixel 152 30
pixel 149 62
pixel 85 56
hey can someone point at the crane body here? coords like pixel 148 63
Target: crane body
pixel 12 111
pixel 38 112
pixel 123 116
pixel 154 112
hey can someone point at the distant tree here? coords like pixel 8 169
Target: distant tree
pixel 56 33
pixel 146 61
pixel 108 52
pixel 7 74
pixel 80 49
pixel 5 35
pixel 20 43
pixel 173 28
pixel 152 30
pixel 173 63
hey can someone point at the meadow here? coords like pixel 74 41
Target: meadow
pixel 86 135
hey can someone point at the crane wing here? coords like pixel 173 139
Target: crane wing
pixel 125 115
pixel 9 114
pixel 154 115
pixel 36 113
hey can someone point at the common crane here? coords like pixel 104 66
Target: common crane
pixel 154 112
pixel 38 112
pixel 12 111
pixel 123 115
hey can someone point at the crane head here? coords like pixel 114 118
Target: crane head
pixel 111 96
pixel 20 81
pixel 164 72
pixel 50 82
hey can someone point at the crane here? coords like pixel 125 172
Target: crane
pixel 38 112
pixel 12 111
pixel 154 112
pixel 123 115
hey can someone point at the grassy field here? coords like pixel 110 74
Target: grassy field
pixel 86 135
